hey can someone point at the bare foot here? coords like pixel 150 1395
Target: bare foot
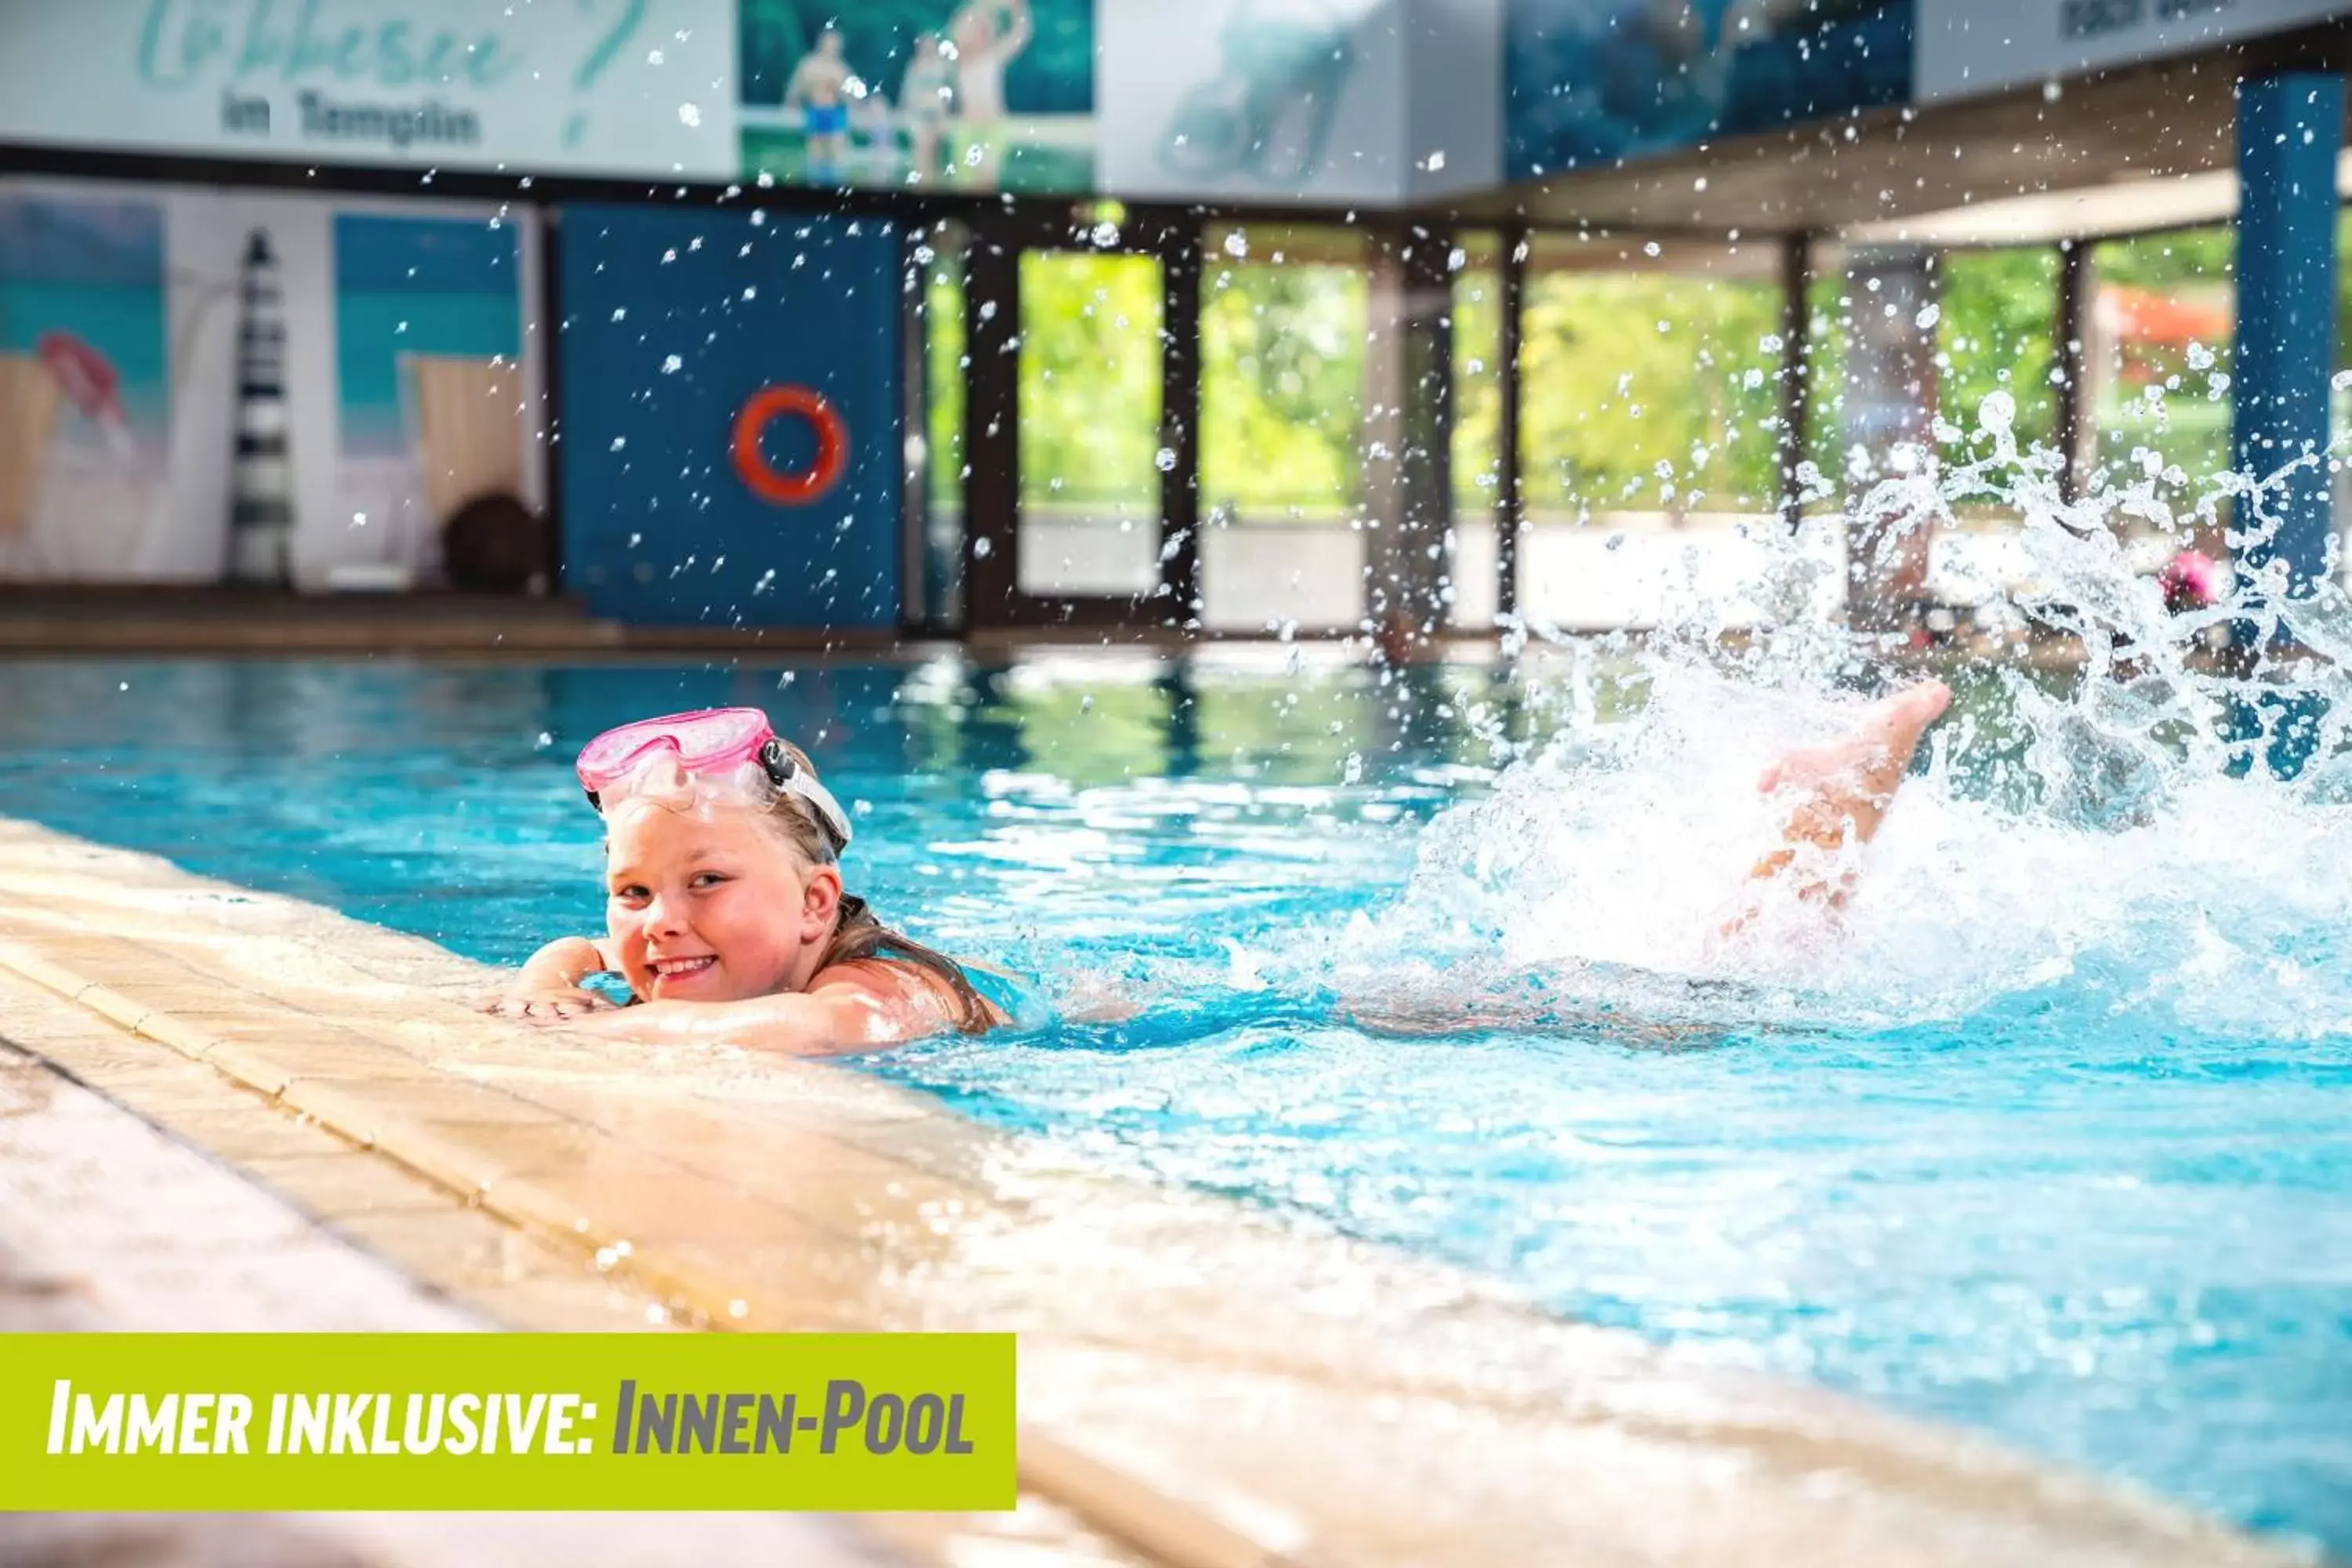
pixel 1842 789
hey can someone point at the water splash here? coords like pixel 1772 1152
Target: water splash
pixel 2150 824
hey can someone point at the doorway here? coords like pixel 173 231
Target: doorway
pixel 1081 427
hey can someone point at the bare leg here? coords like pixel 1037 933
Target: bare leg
pixel 1841 791
pixel 827 153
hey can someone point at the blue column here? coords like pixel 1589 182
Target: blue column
pixel 2290 128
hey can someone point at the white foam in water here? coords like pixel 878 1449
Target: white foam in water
pixel 2080 838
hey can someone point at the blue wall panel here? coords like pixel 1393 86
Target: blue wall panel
pixel 672 320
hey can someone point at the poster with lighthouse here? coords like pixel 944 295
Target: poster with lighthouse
pixel 272 391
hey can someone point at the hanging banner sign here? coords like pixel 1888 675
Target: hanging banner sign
pixel 634 87
pixel 1971 46
pixel 959 95
pixel 1590 85
pixel 1338 101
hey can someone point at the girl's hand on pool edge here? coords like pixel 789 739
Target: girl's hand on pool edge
pixel 545 1004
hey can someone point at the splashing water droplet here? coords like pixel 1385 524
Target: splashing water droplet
pixel 1997 414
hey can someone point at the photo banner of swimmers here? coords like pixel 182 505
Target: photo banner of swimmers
pixel 1275 99
pixel 978 95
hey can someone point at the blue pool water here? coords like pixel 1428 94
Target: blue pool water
pixel 2057 1143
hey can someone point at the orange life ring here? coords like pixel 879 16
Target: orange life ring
pixel 761 478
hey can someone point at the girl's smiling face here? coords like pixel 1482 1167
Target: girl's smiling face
pixel 708 903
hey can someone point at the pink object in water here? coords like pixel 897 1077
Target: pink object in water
pixel 2192 581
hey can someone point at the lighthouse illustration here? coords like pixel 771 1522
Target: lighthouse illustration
pixel 261 487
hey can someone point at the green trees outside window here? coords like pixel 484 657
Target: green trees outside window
pixel 1651 388
pixel 1650 391
pixel 2162 316
pixel 1283 317
pixel 1996 333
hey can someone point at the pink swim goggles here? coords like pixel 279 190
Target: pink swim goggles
pixel 725 745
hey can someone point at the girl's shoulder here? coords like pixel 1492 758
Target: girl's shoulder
pixel 898 976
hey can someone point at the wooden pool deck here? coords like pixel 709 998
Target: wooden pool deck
pixel 1202 1384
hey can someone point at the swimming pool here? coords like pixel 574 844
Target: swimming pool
pixel 2057 1143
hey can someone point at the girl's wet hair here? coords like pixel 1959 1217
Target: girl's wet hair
pixel 859 935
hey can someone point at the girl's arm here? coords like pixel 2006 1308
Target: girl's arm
pixel 847 1009
pixel 547 988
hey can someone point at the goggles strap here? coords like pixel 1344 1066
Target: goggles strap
pixel 785 774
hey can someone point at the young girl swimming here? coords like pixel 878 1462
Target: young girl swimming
pixel 726 915
pixel 724 909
